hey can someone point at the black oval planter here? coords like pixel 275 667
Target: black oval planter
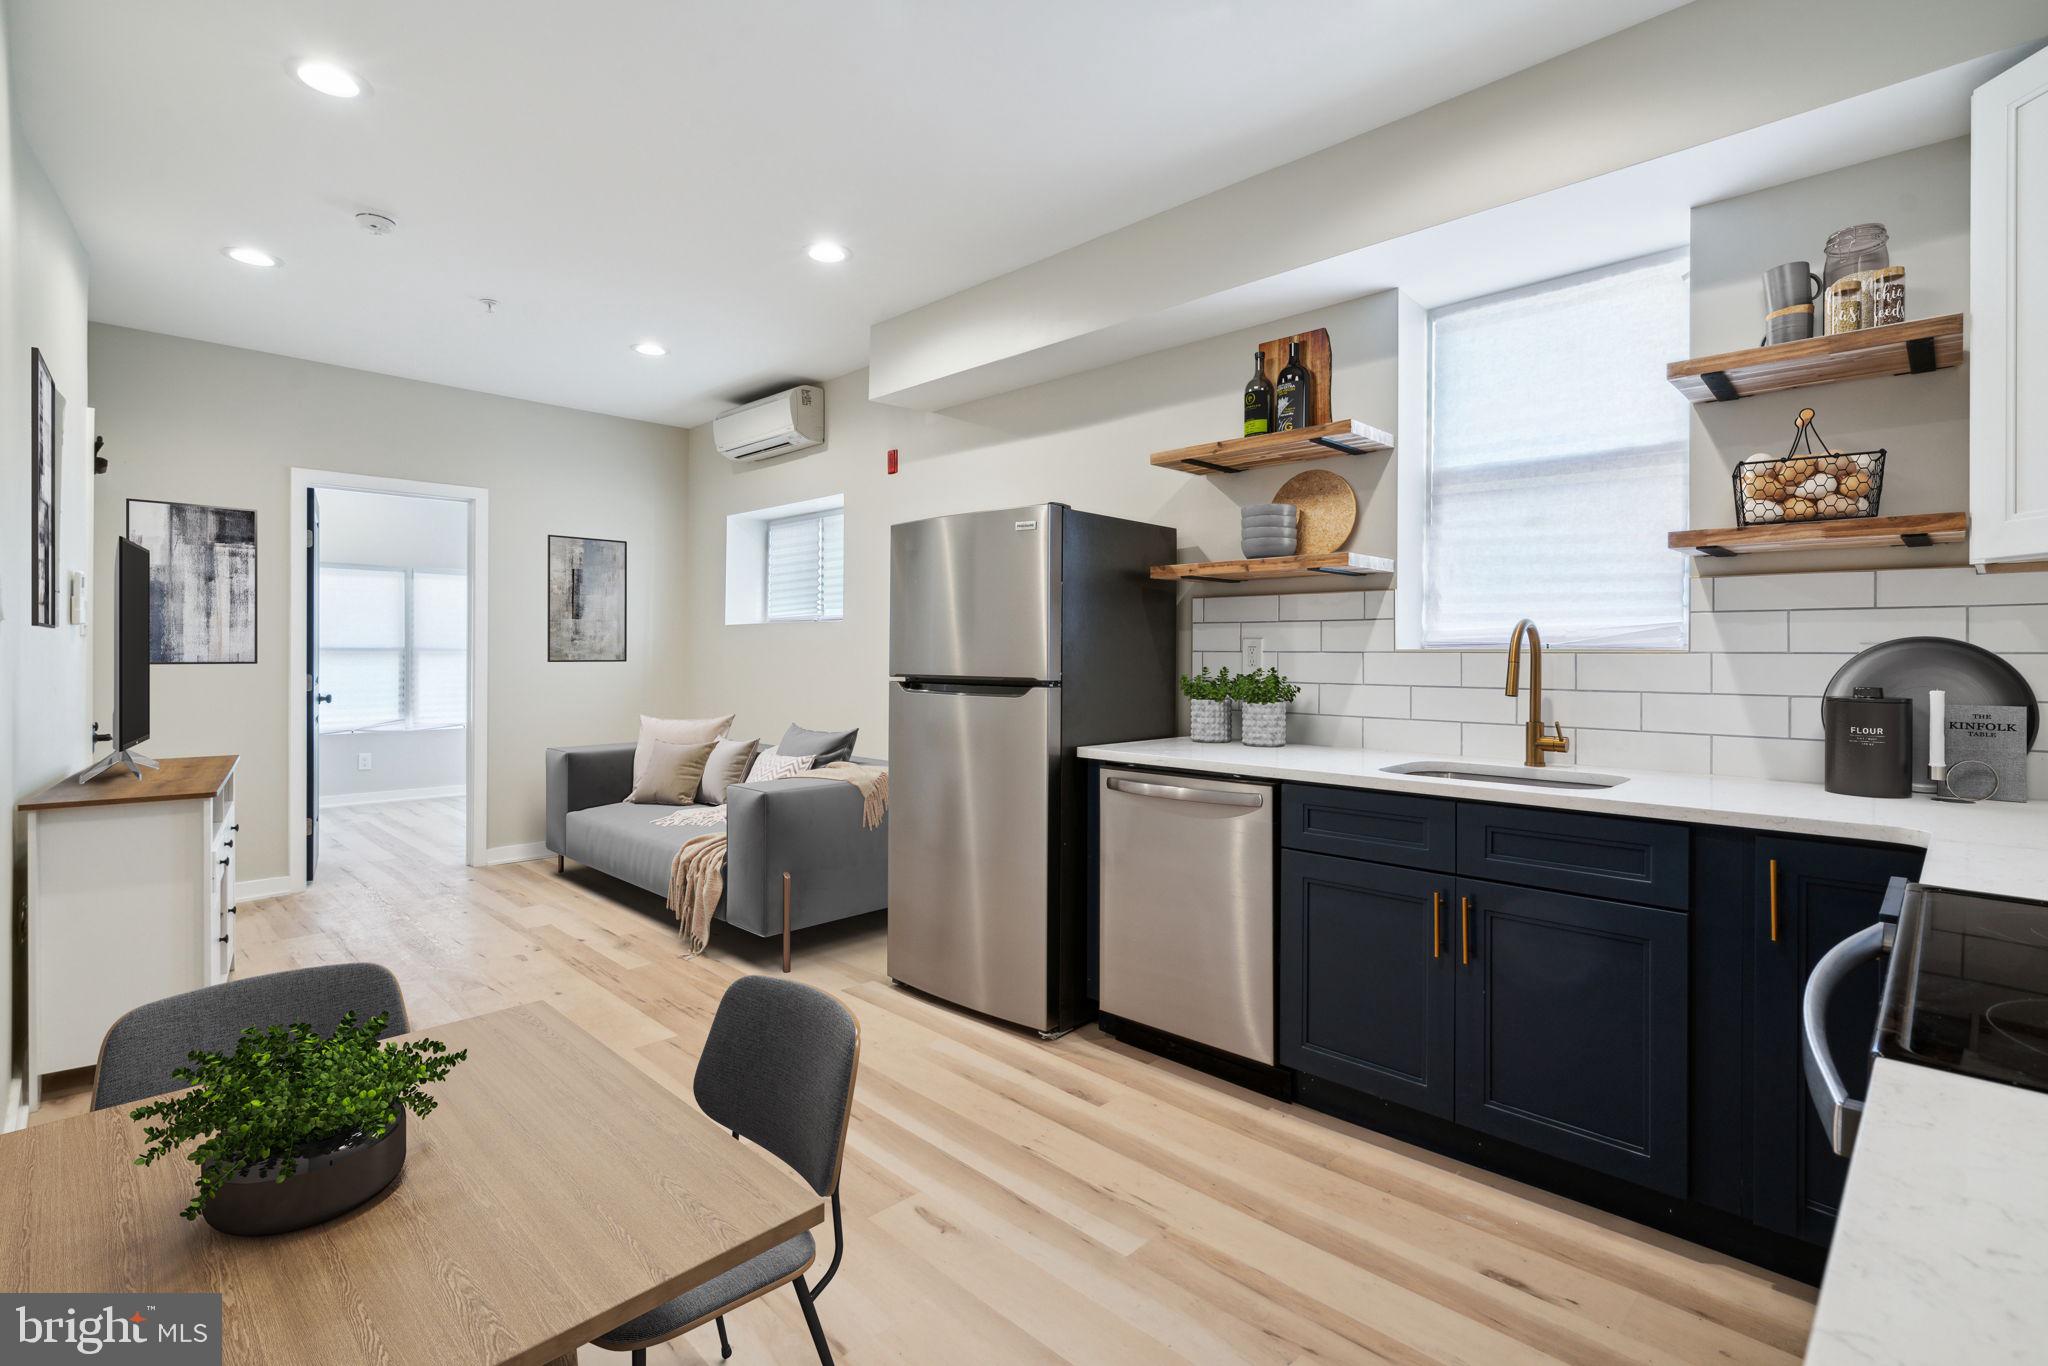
pixel 329 1182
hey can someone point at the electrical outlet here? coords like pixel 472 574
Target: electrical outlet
pixel 1254 648
pixel 363 762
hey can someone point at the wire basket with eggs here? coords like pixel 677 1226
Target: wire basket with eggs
pixel 1809 483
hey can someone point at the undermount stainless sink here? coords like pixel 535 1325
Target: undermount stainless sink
pixel 1512 777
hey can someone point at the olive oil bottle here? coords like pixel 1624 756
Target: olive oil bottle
pixel 1291 404
pixel 1258 399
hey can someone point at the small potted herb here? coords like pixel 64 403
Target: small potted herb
pixel 1208 704
pixel 295 1128
pixel 1263 698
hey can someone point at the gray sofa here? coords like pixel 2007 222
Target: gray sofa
pixel 796 855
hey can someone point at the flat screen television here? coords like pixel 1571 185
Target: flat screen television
pixel 131 663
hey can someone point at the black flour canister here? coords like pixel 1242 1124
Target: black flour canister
pixel 1869 744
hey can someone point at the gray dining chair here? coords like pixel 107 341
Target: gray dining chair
pixel 141 1048
pixel 777 1069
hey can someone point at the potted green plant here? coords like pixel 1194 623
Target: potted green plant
pixel 1262 698
pixel 294 1128
pixel 1208 704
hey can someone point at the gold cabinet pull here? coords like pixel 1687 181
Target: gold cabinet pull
pixel 1436 924
pixel 1464 930
pixel 1774 901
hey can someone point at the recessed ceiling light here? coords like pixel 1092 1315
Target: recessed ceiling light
pixel 650 348
pixel 252 256
pixel 329 79
pixel 831 253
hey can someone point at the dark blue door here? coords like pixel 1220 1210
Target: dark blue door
pixel 1809 896
pixel 1366 978
pixel 1572 1028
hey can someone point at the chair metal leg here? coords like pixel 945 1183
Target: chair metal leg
pixel 803 1297
pixel 561 863
pixel 724 1343
pixel 785 922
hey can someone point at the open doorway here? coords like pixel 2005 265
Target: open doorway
pixel 388 609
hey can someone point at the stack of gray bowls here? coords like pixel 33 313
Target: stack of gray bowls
pixel 1270 529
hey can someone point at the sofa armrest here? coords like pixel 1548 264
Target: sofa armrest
pixel 810 829
pixel 581 776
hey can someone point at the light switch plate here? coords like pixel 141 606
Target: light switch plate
pixel 1254 652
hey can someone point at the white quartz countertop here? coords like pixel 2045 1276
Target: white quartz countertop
pixel 2000 848
pixel 1941 1252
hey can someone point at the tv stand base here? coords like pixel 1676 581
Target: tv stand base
pixel 133 759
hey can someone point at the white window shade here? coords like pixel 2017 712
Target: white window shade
pixel 805 577
pixel 362 647
pixel 1557 463
pixel 440 639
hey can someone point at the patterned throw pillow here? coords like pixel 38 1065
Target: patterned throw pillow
pixel 772 765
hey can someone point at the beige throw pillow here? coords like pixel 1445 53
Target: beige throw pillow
pixel 673 773
pixel 729 762
pixel 695 732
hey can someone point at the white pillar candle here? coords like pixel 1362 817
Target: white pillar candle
pixel 1937 729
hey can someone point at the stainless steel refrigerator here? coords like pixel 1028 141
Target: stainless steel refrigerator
pixel 1014 637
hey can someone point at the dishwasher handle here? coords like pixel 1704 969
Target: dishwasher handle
pixel 1204 796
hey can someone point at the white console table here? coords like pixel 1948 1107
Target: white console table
pixel 130 899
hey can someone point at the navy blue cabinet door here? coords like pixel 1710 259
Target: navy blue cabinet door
pixel 1572 1028
pixel 1366 978
pixel 1809 896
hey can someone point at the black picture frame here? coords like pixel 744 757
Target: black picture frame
pixel 555 605
pixel 44 406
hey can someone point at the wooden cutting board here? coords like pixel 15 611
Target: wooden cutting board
pixel 1329 510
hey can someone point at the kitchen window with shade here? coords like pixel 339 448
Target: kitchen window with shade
pixel 394 648
pixel 1557 463
pixel 805 578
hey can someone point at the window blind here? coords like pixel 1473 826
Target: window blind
pixel 440 647
pixel 806 567
pixel 1557 462
pixel 394 648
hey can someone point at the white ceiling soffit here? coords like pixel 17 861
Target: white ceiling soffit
pixel 1532 176
pixel 653 170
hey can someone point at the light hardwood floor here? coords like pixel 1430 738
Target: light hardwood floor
pixel 1010 1200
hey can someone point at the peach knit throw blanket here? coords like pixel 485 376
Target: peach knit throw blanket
pixel 696 880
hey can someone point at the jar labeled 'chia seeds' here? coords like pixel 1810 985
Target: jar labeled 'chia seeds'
pixel 1884 297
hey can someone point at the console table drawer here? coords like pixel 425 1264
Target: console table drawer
pixel 1385 827
pixel 1646 862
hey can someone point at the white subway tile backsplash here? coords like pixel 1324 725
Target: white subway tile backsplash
pixel 1423 668
pixel 1852 631
pixel 1714 713
pixel 1733 632
pixel 1371 634
pixel 1506 744
pixel 1318 667
pixel 1369 700
pixel 1258 607
pixel 1342 731
pixel 1308 697
pixel 1645 672
pixel 1768 592
pixel 1424 737
pixel 1806 718
pixel 1644 749
pixel 1323 606
pixel 1217 636
pixel 1461 704
pixel 1792 674
pixel 1608 710
pixel 1217 661
pixel 2010 628
pixel 1284 636
pixel 1793 761
pixel 1489 669
pixel 1958 587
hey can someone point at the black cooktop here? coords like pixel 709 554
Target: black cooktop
pixel 1967 987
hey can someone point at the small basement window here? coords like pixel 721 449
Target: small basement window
pixel 786 563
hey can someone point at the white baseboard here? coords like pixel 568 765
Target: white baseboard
pixel 516 853
pixel 255 889
pixel 396 794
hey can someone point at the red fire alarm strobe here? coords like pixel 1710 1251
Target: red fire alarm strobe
pixel 892 462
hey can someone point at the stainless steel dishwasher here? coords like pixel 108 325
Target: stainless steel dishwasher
pixel 1186 908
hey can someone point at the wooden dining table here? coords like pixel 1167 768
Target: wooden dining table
pixel 554 1193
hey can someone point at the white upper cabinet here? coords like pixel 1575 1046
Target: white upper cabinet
pixel 2009 315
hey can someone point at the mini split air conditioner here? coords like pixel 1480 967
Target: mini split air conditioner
pixel 784 422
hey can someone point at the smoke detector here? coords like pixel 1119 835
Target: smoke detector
pixel 377 224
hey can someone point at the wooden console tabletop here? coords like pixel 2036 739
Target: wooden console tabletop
pixel 179 780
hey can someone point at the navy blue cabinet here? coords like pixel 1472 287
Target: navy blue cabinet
pixel 1569 851
pixel 1381 827
pixel 1367 978
pixel 1572 1029
pixel 1808 896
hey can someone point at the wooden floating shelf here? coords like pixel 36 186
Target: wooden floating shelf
pixel 1907 348
pixel 1921 529
pixel 1276 448
pixel 1279 567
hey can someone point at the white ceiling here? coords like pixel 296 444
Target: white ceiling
pixel 654 169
